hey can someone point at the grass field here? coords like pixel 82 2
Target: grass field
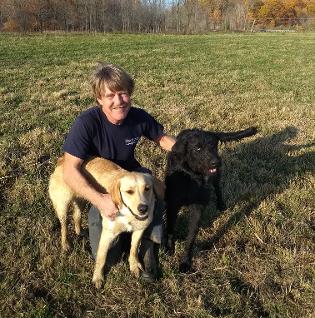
pixel 257 259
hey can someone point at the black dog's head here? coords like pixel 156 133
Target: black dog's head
pixel 197 150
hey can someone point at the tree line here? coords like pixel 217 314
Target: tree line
pixel 158 16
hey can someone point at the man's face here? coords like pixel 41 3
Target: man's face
pixel 115 105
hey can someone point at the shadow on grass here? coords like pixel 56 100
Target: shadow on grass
pixel 253 172
pixel 267 169
pixel 54 306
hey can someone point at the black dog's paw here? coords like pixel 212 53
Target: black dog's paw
pixel 184 266
pixel 221 206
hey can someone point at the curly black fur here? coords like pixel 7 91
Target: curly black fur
pixel 194 164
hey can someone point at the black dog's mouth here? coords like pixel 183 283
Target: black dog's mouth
pixel 212 170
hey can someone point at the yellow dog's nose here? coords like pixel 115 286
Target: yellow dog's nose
pixel 142 208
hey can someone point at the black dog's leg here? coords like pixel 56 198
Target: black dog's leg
pixel 217 188
pixel 185 264
pixel 171 214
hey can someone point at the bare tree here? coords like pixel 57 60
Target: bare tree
pixel 181 16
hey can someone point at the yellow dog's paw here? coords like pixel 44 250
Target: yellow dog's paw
pixel 136 268
pixel 98 281
pixel 65 247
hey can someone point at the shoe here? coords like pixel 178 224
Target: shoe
pixel 149 256
pixel 147 277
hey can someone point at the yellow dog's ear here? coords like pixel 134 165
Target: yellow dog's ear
pixel 115 193
pixel 159 188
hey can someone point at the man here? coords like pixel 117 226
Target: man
pixel 111 130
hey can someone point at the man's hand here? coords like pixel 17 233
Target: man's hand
pixel 107 207
pixel 166 142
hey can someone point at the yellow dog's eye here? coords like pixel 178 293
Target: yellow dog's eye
pixel 130 192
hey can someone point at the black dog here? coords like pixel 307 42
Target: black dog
pixel 194 164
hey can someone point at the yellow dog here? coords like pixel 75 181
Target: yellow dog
pixel 133 193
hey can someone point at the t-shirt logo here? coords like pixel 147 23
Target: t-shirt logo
pixel 132 141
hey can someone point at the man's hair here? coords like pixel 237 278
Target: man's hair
pixel 114 77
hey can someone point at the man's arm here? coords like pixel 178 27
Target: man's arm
pixel 166 142
pixel 77 182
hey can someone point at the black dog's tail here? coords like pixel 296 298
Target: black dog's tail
pixel 236 135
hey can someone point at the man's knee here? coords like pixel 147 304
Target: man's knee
pixel 155 230
pixel 118 247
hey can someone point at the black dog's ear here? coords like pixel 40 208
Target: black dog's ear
pixel 236 135
pixel 181 142
pixel 185 133
pixel 179 147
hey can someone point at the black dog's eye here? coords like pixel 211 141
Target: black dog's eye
pixel 130 191
pixel 146 188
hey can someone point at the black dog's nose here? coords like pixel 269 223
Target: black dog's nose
pixel 142 208
pixel 215 162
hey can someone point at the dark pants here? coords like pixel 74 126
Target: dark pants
pixel 121 244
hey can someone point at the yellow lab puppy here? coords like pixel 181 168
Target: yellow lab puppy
pixel 134 195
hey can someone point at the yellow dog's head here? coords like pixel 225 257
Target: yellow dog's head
pixel 137 191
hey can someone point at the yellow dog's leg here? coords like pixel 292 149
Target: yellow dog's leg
pixel 135 265
pixel 105 241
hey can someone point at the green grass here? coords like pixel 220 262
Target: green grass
pixel 255 260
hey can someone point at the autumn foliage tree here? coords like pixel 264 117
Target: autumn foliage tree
pixel 182 16
pixel 284 12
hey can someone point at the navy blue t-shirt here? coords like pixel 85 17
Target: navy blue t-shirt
pixel 93 135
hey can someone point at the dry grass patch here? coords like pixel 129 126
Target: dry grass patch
pixel 254 260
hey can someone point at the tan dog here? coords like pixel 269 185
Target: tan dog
pixel 132 192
